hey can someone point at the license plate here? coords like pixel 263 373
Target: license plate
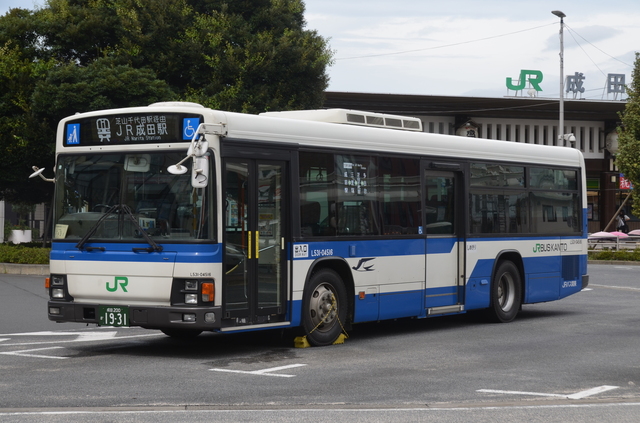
pixel 113 316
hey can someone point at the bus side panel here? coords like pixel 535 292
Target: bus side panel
pixel 574 265
pixel 295 316
pixel 478 289
pixel 388 273
pixel 401 282
pixel 543 278
pixel 399 304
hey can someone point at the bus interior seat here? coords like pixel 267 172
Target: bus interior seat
pixel 309 218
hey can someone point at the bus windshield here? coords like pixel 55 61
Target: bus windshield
pixel 163 205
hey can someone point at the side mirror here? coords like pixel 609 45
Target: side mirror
pixel 200 172
pixel 197 150
pixel 38 172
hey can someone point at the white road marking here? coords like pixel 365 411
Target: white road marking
pixel 578 395
pixel 592 391
pixel 23 353
pixel 264 372
pixel 4 339
pixel 537 394
pixel 224 413
pixel 80 337
pixel 627 288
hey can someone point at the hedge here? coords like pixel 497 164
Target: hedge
pixel 620 255
pixel 24 254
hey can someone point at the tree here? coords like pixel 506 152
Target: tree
pixel 628 157
pixel 24 139
pixel 76 55
pixel 258 61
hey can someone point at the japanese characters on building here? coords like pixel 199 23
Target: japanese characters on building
pixel 531 80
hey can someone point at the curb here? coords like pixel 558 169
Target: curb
pixel 616 262
pixel 24 269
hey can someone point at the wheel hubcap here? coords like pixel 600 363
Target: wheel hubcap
pixel 323 308
pixel 506 292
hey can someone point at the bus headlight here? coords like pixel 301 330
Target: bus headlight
pixel 191 298
pixel 57 293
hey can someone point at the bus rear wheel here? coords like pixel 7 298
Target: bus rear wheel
pixel 324 308
pixel 506 293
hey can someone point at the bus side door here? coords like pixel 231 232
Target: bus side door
pixel 444 231
pixel 254 217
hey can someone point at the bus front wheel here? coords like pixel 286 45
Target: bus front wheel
pixel 324 307
pixel 506 293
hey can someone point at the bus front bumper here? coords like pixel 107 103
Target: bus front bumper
pixel 150 317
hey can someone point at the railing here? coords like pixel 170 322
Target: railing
pixel 614 243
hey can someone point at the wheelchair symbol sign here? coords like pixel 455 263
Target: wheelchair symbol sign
pixel 189 127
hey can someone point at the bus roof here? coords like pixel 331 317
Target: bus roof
pixel 322 134
pixel 316 129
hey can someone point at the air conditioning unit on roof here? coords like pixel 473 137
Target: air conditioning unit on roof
pixel 352 117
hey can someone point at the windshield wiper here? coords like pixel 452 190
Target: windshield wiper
pixel 94 228
pixel 153 245
pixel 127 210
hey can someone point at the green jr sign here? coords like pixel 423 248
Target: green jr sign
pixel 534 77
pixel 121 281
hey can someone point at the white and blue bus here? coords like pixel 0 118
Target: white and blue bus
pixel 185 219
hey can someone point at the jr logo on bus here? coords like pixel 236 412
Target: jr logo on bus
pixel 547 248
pixel 118 281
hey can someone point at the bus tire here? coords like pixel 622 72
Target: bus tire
pixel 506 293
pixel 181 333
pixel 324 307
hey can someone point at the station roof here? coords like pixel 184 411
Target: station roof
pixel 468 107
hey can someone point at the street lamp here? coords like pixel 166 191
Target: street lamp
pixel 561 123
pixel 562 138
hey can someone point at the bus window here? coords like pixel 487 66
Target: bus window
pixel 317 185
pixel 400 195
pixel 356 195
pixel 496 212
pixel 439 210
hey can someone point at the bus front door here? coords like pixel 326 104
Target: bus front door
pixel 444 240
pixel 254 281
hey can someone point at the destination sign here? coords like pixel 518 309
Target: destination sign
pixel 135 128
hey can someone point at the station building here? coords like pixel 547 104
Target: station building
pixel 534 120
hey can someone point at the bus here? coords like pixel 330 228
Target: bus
pixel 183 219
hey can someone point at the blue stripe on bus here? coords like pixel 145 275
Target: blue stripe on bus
pixel 376 248
pixel 184 253
pixel 403 247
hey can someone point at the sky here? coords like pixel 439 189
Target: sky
pixel 469 47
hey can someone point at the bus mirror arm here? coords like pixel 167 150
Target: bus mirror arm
pixel 197 150
pixel 38 172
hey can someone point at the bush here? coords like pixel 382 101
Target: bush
pixel 20 254
pixel 620 255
